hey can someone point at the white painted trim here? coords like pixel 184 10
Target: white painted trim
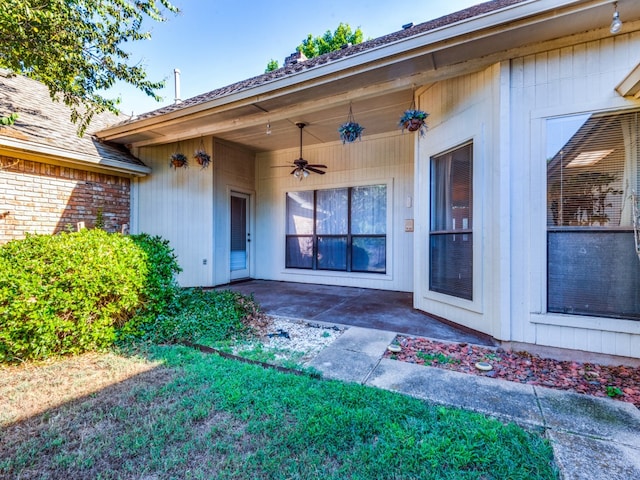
pixel 503 322
pixel 538 216
pixel 232 188
pixel 605 324
pixel 478 228
pixel 134 205
pixel 388 276
pixel 614 104
pixel 538 226
pixel 338 274
pixel 68 156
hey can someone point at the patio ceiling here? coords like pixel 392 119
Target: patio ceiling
pixel 378 82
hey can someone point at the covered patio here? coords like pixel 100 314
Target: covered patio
pixel 361 307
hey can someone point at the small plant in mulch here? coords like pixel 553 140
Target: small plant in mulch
pixel 439 358
pixel 614 392
pixel 618 382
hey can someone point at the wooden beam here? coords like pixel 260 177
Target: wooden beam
pixel 630 86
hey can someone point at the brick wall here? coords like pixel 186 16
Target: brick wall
pixel 40 198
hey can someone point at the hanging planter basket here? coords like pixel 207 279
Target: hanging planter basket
pixel 178 160
pixel 414 120
pixel 203 158
pixel 350 131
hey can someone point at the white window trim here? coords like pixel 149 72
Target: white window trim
pixel 388 275
pixel 476 304
pixel 618 325
pixel 538 259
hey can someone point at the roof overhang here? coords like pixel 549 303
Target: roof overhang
pixel 27 150
pixel 379 82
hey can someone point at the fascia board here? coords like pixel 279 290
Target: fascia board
pixel 17 147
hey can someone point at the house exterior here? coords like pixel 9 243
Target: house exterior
pixel 512 215
pixel 51 180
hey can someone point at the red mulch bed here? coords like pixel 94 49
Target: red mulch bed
pixel 523 367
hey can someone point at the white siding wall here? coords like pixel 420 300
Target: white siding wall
pixel 381 159
pixel 464 109
pixel 562 81
pixel 176 204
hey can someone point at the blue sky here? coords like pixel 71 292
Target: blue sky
pixel 215 43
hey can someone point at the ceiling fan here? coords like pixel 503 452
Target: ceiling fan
pixel 302 168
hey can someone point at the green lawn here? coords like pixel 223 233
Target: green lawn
pixel 193 415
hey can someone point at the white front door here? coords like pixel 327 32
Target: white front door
pixel 240 236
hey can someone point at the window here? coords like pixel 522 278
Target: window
pixel 592 175
pixel 451 224
pixel 340 229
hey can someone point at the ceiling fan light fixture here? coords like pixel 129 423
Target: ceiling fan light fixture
pixel 303 168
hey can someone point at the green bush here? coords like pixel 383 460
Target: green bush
pixel 71 292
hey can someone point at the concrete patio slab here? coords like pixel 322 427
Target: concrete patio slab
pixel 359 307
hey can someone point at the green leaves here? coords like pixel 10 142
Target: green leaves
pixel 69 293
pixel 329 42
pixel 74 47
pixel 200 315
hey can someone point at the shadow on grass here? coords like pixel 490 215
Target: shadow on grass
pixel 202 416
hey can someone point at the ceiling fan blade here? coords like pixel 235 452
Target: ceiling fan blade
pixel 294 171
pixel 282 166
pixel 315 170
pixel 316 165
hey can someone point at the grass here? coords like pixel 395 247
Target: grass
pixel 178 413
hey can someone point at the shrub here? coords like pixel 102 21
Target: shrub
pixel 212 315
pixel 69 293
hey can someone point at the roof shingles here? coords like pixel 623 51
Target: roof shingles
pixel 288 70
pixel 47 123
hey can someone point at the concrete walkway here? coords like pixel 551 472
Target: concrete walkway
pixel 592 438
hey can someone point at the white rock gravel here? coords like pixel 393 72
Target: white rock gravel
pixel 299 339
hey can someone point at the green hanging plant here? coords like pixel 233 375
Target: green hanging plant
pixel 202 157
pixel 178 160
pixel 350 131
pixel 414 120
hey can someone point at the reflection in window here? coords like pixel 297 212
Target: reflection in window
pixel 592 174
pixel 337 229
pixel 451 234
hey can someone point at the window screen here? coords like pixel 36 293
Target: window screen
pixel 451 224
pixel 592 176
